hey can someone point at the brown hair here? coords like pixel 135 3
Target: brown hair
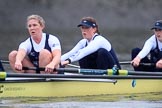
pixel 91 19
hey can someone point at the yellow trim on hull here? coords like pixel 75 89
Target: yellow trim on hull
pixel 76 88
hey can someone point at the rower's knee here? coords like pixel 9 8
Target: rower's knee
pixel 45 55
pixel 102 52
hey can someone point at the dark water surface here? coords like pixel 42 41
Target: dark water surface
pixel 149 100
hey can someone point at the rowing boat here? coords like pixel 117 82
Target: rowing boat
pixel 65 87
pixel 79 82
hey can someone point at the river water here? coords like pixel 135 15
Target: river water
pixel 118 104
pixel 103 101
pixel 122 41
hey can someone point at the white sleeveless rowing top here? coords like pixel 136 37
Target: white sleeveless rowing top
pixel 53 42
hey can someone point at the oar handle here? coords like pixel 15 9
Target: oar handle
pixel 147 64
pixel 141 64
pixel 34 68
pixel 73 70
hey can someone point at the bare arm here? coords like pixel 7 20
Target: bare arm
pixel 19 58
pixel 56 58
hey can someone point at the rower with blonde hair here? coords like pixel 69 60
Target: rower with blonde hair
pixel 39 50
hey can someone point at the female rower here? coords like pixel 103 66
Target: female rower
pixel 93 51
pixel 151 52
pixel 39 50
